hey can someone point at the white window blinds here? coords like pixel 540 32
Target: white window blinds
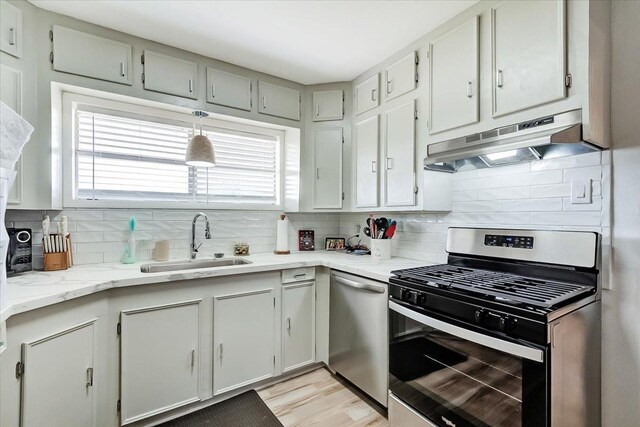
pixel 130 157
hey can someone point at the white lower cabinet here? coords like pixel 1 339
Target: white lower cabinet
pixel 159 359
pixel 298 325
pixel 57 382
pixel 243 329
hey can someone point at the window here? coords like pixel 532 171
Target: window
pixel 126 156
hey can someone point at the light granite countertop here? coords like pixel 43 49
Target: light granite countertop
pixel 38 289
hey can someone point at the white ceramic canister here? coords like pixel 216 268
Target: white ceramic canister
pixel 381 249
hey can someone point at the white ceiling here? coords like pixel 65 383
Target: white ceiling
pixel 305 41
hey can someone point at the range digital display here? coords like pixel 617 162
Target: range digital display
pixel 518 242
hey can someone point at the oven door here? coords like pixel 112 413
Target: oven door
pixel 455 376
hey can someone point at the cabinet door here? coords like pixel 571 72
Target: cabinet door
pixel 327 105
pixel 278 101
pixel 170 75
pixel 528 54
pixel 327 159
pixel 454 78
pixel 401 76
pixel 367 94
pixel 366 153
pixel 158 359
pixel 58 386
pixel 400 182
pixel 11 94
pixel 87 55
pixel 229 90
pixel 298 325
pixel 243 339
pixel 10 29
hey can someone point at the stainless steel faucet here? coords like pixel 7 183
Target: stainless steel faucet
pixel 207 233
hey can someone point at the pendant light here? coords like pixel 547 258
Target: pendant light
pixel 200 149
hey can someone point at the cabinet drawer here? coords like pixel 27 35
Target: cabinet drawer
pixel 10 29
pixel 87 55
pixel 298 274
pixel 367 94
pixel 170 75
pixel 278 101
pixel 327 105
pixel 401 76
pixel 229 90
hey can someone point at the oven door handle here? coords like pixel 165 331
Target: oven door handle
pixel 485 340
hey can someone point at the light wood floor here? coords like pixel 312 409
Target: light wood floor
pixel 320 399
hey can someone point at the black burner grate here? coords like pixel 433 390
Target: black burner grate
pixel 505 286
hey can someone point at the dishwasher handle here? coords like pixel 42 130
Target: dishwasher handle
pixel 363 286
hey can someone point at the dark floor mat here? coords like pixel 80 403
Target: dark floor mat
pixel 245 410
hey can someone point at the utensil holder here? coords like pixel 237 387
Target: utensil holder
pixel 381 249
pixel 54 261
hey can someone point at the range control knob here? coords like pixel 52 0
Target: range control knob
pixel 480 316
pixel 507 324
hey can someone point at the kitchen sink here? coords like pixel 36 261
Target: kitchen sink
pixel 158 267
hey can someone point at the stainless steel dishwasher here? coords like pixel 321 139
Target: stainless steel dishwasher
pixel 358 341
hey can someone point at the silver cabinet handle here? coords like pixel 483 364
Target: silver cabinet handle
pixel 89 377
pixel 389 163
pixel 190 85
pixel 317 177
pixel 221 351
pixel 357 285
pixel 12 36
pixel 317 110
pixel 288 324
pixel 373 166
pixel 373 94
pixel 466 334
pixel 213 91
pixel 122 69
pixel 264 102
pixel 299 275
pixel 389 86
pixel 193 358
pixel 499 78
pixel 469 89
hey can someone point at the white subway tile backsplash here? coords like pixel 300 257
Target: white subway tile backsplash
pixel 589 159
pixel 465 196
pixel 566 218
pixel 532 205
pixel 534 178
pixel 595 205
pixel 505 170
pixel 592 172
pixel 504 193
pixel 551 190
pixel 478 206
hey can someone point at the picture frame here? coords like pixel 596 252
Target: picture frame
pixel 334 244
pixel 306 240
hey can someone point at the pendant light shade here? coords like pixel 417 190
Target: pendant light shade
pixel 200 149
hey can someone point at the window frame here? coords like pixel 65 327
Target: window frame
pixel 167 115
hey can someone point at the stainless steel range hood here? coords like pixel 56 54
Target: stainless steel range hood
pixel 543 138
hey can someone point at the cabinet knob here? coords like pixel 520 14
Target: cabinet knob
pixel 469 89
pixel 193 358
pixel 213 91
pixel 12 36
pixel 264 102
pixel 389 86
pixel 373 166
pixel 123 71
pixel 190 85
pixel 373 94
pixel 89 377
pixel 317 110
pixel 317 175
pixel 389 163
pixel 499 78
pixel 221 351
pixel 288 324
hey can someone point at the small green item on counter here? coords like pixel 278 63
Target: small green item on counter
pixel 129 256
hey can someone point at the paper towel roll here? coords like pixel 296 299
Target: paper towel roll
pixel 282 240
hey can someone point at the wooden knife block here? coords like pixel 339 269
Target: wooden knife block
pixel 54 261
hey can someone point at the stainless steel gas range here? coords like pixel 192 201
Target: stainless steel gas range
pixel 507 333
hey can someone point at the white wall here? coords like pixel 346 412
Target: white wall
pixel 99 235
pixel 621 313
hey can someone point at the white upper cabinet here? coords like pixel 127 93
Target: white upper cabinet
pixel 87 55
pixel 278 101
pixel 366 161
pixel 243 348
pixel 529 55
pixel 10 29
pixel 400 182
pixel 228 90
pixel 58 382
pixel 327 159
pixel 170 75
pixel 401 76
pixel 367 94
pixel 298 325
pixel 11 94
pixel 159 359
pixel 328 105
pixel 454 59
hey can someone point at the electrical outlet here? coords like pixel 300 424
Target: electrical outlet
pixel 580 191
pixel 357 229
